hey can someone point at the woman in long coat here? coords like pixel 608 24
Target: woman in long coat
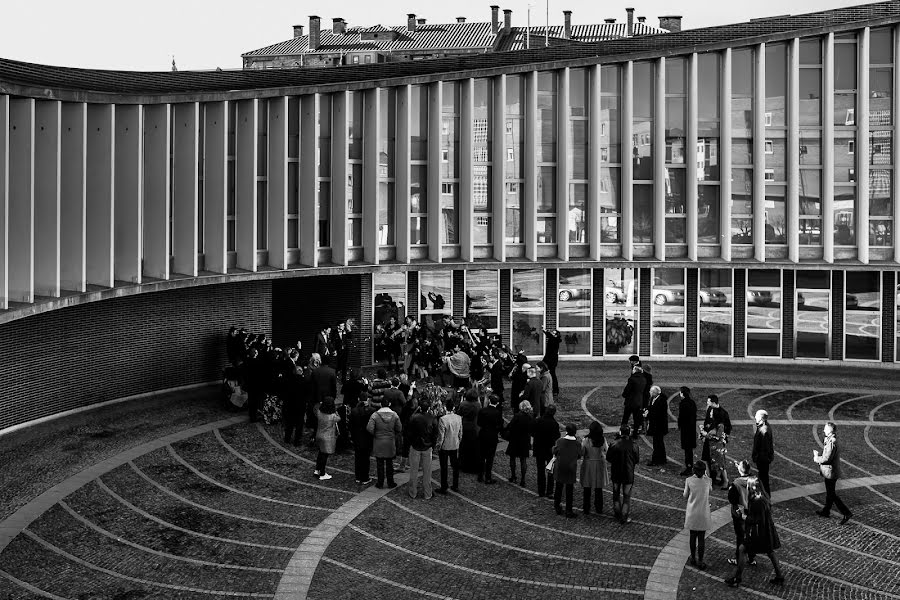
pixel 326 435
pixel 687 426
pixel 696 513
pixel 593 467
pixel 760 537
pixel 518 433
pixel 384 426
pixel 469 454
pixel 567 451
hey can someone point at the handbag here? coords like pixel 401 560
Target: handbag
pixel 551 465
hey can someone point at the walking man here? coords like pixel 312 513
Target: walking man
pixel 830 467
pixel 763 448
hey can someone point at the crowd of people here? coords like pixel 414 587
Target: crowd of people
pixel 447 396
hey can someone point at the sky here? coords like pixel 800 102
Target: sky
pixel 145 36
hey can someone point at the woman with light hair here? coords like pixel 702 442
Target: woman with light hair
pixel 696 513
pixel 518 434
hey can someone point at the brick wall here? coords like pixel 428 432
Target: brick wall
pixel 740 313
pixel 551 297
pixel 692 301
pixel 412 294
pixel 302 306
pixel 645 301
pixel 363 341
pixel 598 340
pixel 83 355
pixel 459 295
pixel 505 306
pixel 837 315
pixel 888 316
pixel 788 299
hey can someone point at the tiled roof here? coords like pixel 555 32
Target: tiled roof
pixel 425 37
pixel 71 83
pixel 580 33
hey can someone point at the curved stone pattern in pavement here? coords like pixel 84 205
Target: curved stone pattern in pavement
pixel 226 509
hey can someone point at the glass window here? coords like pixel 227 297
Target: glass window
pixel 514 223
pixel 708 83
pixel 324 198
pixel 515 95
pixel 418 123
pixel 574 309
pixel 810 97
pixel 418 204
pixel 810 148
pixel 323 149
pixel 862 316
pixel 642 130
pixel 481 204
pixel 675 206
pixel 763 312
pixel 776 84
pixel 546 116
pixel 579 93
pixel 389 290
pixel 881 51
pixel 844 216
pixel 481 120
pixel 546 194
pixel 810 207
pixel 668 311
pixel 527 310
pixel 610 205
pixel 810 51
pixel 621 310
pixel 513 166
pixel 813 324
pixel 578 213
pixel 578 150
pixel 449 214
pixel 881 98
pixel 716 312
pixel 355 126
pixel 386 217
pixel 642 225
pixel 609 116
pixel 776 218
pixel 435 297
pixel 483 300
pixel 708 214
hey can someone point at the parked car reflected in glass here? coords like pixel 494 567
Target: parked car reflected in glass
pixel 713 297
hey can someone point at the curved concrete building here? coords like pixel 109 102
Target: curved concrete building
pixel 720 193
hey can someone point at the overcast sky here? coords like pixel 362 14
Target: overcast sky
pixel 122 34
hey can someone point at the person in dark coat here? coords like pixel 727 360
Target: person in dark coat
pixel 340 343
pixel 518 377
pixel 760 536
pixel 324 380
pixel 687 423
pixel 362 439
pixel 763 449
pixel 497 369
pixel 534 389
pixel 830 467
pixel 518 434
pixel 567 451
pixel 545 432
pixel 323 345
pixel 715 416
pixel 551 355
pixel 633 394
pixel 253 374
pixel 352 389
pixel 490 423
pixel 622 456
pixel 469 456
pixel 658 425
pixel 293 405
pixel 396 399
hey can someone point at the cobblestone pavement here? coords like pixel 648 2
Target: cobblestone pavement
pixel 184 500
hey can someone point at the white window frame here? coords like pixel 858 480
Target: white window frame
pixel 880 313
pixel 496 272
pixel 700 310
pixel 748 330
pixel 829 335
pixel 654 329
pixel 579 330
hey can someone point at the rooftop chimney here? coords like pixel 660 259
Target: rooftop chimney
pixel 298 31
pixel 338 25
pixel 671 23
pixel 420 21
pixel 460 19
pixel 642 19
pixel 567 18
pixel 507 20
pixel 411 22
pixel 314 34
pixel 609 20
pixel 630 30
pixel 495 19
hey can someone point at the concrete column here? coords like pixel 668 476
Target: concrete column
pixel 626 228
pixel 245 158
pixel 498 168
pixel 215 187
pixel 435 116
pixel 21 200
pixel 562 164
pixel 725 156
pixel 4 202
pixel 157 190
pixel 309 171
pixel 896 144
pixel 185 173
pixel 594 139
pixel 693 101
pixel 277 180
pixel 402 172
pixel 531 170
pixel 466 143
pixel 100 185
pixel 793 151
pixel 759 154
pixel 73 197
pixel 828 150
pixel 47 152
pixel 862 148
pixel 659 160
pixel 128 192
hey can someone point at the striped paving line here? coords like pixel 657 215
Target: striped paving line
pixel 665 575
pixel 235 490
pixel 22 518
pixel 379 579
pixel 106 533
pixel 292 454
pixel 477 573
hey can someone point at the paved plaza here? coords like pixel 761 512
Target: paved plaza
pixel 176 498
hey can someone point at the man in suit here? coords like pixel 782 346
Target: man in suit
pixel 490 422
pixel 545 431
pixel 633 394
pixel 324 380
pixel 763 448
pixel 323 345
pixel 340 343
pixel 687 427
pixel 830 467
pixel 533 391
pixel 715 415
pixel 658 425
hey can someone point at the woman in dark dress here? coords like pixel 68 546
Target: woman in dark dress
pixel 567 452
pixel 760 535
pixel 469 455
pixel 518 433
pixel 687 428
